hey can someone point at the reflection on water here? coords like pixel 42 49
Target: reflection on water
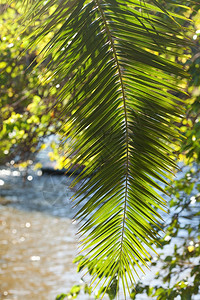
pixel 36 253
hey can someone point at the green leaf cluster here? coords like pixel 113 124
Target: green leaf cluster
pixel 26 103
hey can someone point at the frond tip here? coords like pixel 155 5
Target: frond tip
pixel 119 106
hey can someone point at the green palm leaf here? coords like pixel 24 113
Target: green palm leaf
pixel 111 57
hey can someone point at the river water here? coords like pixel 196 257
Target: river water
pixel 37 236
pixel 36 255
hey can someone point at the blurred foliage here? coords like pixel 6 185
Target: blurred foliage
pixel 190 125
pixel 28 110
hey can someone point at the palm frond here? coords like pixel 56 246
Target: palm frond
pixel 118 89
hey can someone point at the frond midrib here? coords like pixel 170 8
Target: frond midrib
pixel 125 117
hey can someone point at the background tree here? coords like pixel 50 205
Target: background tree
pixel 28 110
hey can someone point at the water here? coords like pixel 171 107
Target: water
pixel 37 236
pixel 36 255
pixel 33 192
